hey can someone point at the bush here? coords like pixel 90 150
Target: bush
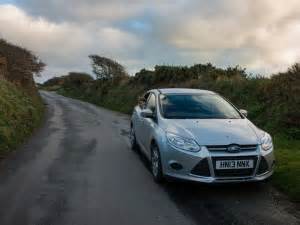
pixel 273 103
pixel 19 115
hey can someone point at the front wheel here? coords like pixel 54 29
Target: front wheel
pixel 133 142
pixel 156 167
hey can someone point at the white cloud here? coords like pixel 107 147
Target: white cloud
pixel 267 30
pixel 262 35
pixel 56 43
pixel 63 46
pixel 117 39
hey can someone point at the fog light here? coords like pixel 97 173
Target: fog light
pixel 263 166
pixel 176 166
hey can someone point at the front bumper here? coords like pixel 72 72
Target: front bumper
pixel 186 162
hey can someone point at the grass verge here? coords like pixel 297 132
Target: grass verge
pixel 20 114
pixel 287 172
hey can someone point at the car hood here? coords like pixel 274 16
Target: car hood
pixel 214 131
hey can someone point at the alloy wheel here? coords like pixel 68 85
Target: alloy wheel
pixel 155 161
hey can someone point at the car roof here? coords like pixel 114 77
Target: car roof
pixel 183 91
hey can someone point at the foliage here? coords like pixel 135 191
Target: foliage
pixel 22 65
pixel 287 171
pixel 54 81
pixel 273 103
pixel 105 68
pixel 77 79
pixel 19 115
pixel 21 107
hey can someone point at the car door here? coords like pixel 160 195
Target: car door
pixel 138 119
pixel 148 124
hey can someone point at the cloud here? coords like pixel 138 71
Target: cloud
pixel 63 46
pixel 84 11
pixel 261 35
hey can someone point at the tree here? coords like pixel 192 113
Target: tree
pixel 21 63
pixel 105 68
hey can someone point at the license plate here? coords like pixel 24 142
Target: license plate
pixel 234 164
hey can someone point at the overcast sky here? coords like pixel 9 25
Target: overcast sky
pixel 261 35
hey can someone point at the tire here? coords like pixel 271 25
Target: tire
pixel 133 142
pixel 156 167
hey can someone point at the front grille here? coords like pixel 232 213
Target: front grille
pixel 223 148
pixel 234 172
pixel 201 169
pixel 263 166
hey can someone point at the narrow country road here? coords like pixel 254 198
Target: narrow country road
pixel 78 169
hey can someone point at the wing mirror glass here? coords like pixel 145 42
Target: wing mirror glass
pixel 244 112
pixel 147 113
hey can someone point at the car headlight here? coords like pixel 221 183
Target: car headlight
pixel 266 142
pixel 183 143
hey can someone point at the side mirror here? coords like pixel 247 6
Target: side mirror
pixel 141 102
pixel 147 113
pixel 244 112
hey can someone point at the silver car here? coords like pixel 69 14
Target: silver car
pixel 198 135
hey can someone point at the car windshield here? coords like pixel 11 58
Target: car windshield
pixel 197 106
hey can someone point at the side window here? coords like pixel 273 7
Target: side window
pixel 151 103
pixel 146 96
